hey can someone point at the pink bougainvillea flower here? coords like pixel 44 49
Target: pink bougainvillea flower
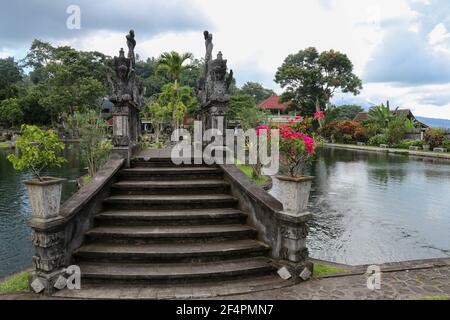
pixel 262 128
pixel 309 143
pixel 319 115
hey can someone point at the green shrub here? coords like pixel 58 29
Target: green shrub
pixel 406 144
pixel 38 150
pixel 92 129
pixel 434 137
pixel 377 140
pixel 372 129
pixel 344 132
pixel 396 130
pixel 446 144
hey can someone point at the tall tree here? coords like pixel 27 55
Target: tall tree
pixel 67 80
pixel 174 64
pixel 10 112
pixel 243 108
pixel 10 75
pixel 311 79
pixel 344 112
pixel 257 91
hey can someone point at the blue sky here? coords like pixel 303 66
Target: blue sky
pixel 400 48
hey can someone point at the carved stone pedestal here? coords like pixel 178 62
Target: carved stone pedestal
pixel 125 131
pixel 293 254
pixel 49 260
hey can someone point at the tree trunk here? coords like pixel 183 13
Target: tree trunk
pixel 319 110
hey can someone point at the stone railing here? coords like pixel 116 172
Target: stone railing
pixel 285 233
pixel 56 239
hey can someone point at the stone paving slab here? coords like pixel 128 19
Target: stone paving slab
pixel 400 285
pixel 395 285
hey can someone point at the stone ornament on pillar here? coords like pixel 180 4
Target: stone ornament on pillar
pixel 213 89
pixel 127 92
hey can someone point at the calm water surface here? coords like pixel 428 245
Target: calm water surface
pixel 15 245
pixel 374 208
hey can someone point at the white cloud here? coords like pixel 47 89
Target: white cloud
pixel 5 54
pixel 431 101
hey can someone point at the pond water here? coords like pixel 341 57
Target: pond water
pixel 373 208
pixel 15 244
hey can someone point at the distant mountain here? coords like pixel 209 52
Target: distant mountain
pixel 435 123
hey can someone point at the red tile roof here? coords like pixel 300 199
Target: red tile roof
pixel 361 116
pixel 273 103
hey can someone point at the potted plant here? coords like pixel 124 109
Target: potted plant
pixel 39 150
pixel 296 149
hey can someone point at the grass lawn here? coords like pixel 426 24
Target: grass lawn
pixel 248 172
pixel 434 298
pixel 323 269
pixel 15 283
pixel 4 145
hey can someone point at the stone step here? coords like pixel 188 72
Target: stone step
pixel 170 187
pixel 174 272
pixel 171 252
pixel 175 202
pixel 196 290
pixel 160 163
pixel 171 217
pixel 171 173
pixel 150 234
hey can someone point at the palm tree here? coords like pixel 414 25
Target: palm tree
pixel 174 64
pixel 381 114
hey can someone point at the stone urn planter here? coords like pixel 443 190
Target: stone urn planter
pixel 295 193
pixel 45 196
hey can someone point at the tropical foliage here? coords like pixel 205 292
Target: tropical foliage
pixel 92 130
pixel 297 148
pixel 310 78
pixel 38 150
pixel 434 137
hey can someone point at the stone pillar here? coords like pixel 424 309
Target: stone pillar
pixel 126 128
pixel 49 259
pixel 293 255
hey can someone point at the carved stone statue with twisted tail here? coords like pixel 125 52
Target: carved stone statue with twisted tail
pixel 127 92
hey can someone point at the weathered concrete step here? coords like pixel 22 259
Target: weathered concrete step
pixel 174 272
pixel 171 217
pixel 140 234
pixel 171 187
pixel 183 201
pixel 170 173
pixel 200 290
pixel 173 252
pixel 159 163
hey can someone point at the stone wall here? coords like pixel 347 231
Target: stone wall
pixel 56 239
pixel 286 234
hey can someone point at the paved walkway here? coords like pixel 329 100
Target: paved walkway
pixel 425 154
pixel 407 280
pixel 399 285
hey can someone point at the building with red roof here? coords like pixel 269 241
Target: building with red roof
pixel 273 105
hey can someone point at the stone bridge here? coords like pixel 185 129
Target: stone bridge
pixel 143 221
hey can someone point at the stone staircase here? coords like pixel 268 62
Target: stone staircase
pixel 171 224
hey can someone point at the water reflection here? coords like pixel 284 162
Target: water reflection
pixel 15 244
pixel 373 208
